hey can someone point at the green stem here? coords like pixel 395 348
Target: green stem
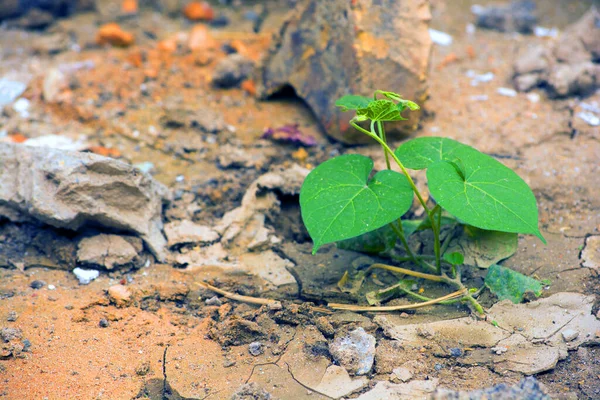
pixel 437 210
pixel 399 231
pixel 382 135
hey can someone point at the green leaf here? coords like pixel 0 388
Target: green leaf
pixel 338 201
pixel 381 110
pixel 483 248
pixel 512 285
pixel 374 242
pixel 410 226
pixel 352 102
pixel 454 258
pixel 421 152
pixel 491 197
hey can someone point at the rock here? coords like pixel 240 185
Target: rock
pixel 569 335
pixel 528 388
pixel 517 16
pixel 109 251
pixel 10 91
pixel 37 284
pixel 12 316
pixel 251 391
pixel 337 383
pixel 119 295
pixel 566 67
pixel 213 301
pixel 355 351
pixel 235 332
pixel 269 266
pixel 325 327
pixel 183 232
pixel 85 276
pixel 402 374
pixel 34 19
pixel 54 82
pixel 232 70
pixel 71 190
pixel 10 334
pixel 103 323
pixel 255 348
pixel 401 391
pixel 590 255
pixel 208 121
pixel 199 11
pixel 353 47
pixel 113 34
pixel 236 157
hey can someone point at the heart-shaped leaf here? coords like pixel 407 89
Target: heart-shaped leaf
pixel 512 285
pixel 421 152
pixel 490 196
pixel 338 201
pixel 352 102
pixel 381 110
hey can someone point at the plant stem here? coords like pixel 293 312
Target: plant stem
pixel 382 135
pixel 399 231
pixel 435 278
pixel 410 182
pixel 436 236
pixel 424 298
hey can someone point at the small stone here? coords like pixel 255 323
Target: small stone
pixel 103 323
pixel 499 349
pixel 214 301
pixel 228 363
pixel 438 367
pixel 108 251
pixel 37 284
pixel 325 327
pixel 143 369
pixel 26 345
pixel 51 287
pixel 181 232
pixel 8 334
pixel 256 348
pixel 120 295
pixel 401 374
pixel 232 70
pixel 569 335
pixel 456 352
pixel 354 351
pixel 85 276
pixel 12 316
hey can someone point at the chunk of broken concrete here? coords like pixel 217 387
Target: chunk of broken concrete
pixel 353 47
pixel 590 255
pixel 71 190
pixel 109 251
pixel 401 391
pixel 337 383
pixel 355 351
pixel 183 232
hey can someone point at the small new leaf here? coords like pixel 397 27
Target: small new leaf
pixel 381 110
pixel 512 285
pixel 338 201
pixel 352 102
pixel 454 258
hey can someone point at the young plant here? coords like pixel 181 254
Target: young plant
pixel 339 200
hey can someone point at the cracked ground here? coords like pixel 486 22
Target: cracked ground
pixel 171 341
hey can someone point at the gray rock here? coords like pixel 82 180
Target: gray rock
pixel 181 232
pixel 569 335
pixel 12 316
pixel 528 388
pixel 354 351
pixel 251 391
pixel 256 348
pixel 71 190
pixel 517 16
pixel 232 70
pixel 109 251
pixel 353 48
pixel 8 334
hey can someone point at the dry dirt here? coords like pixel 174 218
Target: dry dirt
pixel 166 342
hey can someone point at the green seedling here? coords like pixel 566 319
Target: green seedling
pixel 341 199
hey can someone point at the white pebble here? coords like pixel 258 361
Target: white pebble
pixel 508 92
pixel 439 37
pixel 589 118
pixel 85 276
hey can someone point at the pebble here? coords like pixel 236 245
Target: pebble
pixel 354 351
pixel 85 276
pixel 499 349
pixel 37 284
pixel 119 294
pixel 103 323
pixel 533 97
pixel 12 316
pixel 438 367
pixel 456 352
pixel 256 348
pixel 10 91
pixel 402 373
pixel 569 335
pixel 439 37
pixel 145 166
pixel 508 92
pixel 214 301
pixel 589 118
pixel 21 106
pixel 26 344
pixel 51 287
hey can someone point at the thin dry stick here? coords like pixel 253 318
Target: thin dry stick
pixel 251 300
pixel 350 307
pixel 238 297
pixel 404 271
